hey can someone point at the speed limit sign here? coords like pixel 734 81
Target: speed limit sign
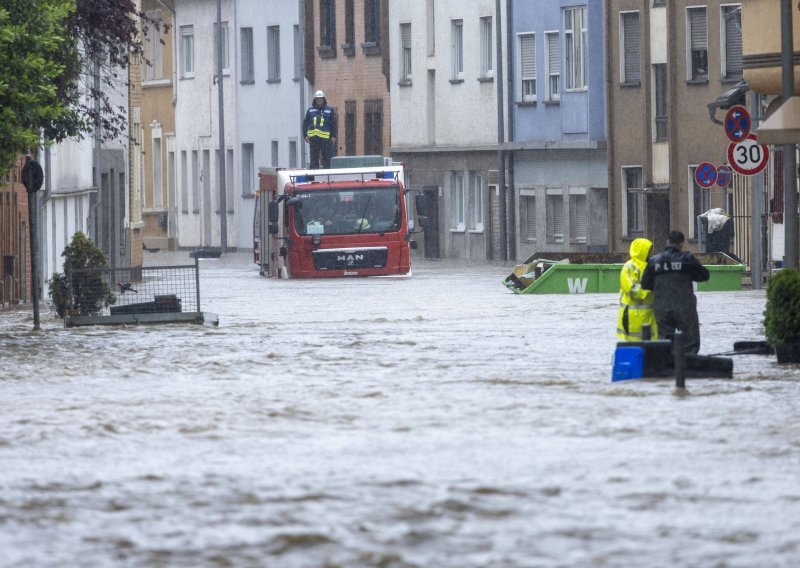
pixel 748 157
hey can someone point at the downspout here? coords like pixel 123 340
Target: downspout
pixel 501 167
pixel 174 52
pixel 612 182
pixel 512 214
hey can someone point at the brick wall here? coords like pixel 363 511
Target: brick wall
pixel 13 219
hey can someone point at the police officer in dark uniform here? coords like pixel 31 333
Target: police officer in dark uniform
pixel 670 275
pixel 320 130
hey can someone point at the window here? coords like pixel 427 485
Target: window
pixel 697 39
pixel 275 158
pixel 528 213
pixel 630 48
pixel 405 53
pixel 327 25
pixel 660 80
pixel 553 63
pixel 634 200
pixel 293 153
pixel 229 180
pixel 184 183
pixel 527 66
pixel 248 169
pixel 578 216
pixel 554 205
pixel 350 128
pixel 273 54
pixel 476 203
pixel 187 52
pixel 349 26
pixel 248 69
pixel 158 181
pixel 372 23
pixel 575 34
pixel 298 54
pixel 487 67
pixel 225 59
pixel 196 178
pixel 731 40
pixel 457 49
pixel 373 127
pixel 457 202
pixel 154 68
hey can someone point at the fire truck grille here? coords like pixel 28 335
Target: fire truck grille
pixel 343 259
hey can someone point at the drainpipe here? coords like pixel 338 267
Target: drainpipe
pixel 301 31
pixel 512 214
pixel 501 166
pixel 612 186
pixel 791 241
pixel 223 205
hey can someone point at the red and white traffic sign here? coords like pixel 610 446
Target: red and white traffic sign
pixel 748 157
pixel 737 123
pixel 724 176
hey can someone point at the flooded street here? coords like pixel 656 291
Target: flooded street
pixel 436 421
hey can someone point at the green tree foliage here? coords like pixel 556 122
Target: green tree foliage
pixel 81 290
pixel 40 67
pixel 782 314
pixel 48 51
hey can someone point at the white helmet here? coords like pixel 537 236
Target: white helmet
pixel 319 95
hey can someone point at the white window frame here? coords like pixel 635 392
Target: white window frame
pixel 457 49
pixel 158 170
pixel 226 59
pixel 723 41
pixel 575 48
pixel 476 194
pixel 527 82
pixel 187 52
pixel 273 54
pixel 551 73
pixel 487 47
pixel 457 202
pixel 689 63
pixel 405 52
pixel 626 229
pixel 623 45
pixel 248 69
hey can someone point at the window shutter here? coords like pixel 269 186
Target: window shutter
pixel 632 38
pixel 554 54
pixel 733 42
pixel 405 32
pixel 579 218
pixel 530 218
pixel 527 47
pixel 697 22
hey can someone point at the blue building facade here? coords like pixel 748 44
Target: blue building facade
pixel 557 131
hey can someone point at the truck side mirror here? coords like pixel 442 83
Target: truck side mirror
pixel 273 212
pixel 421 204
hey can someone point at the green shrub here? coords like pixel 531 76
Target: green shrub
pixel 782 314
pixel 80 293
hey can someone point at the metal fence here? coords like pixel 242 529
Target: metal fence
pixel 138 290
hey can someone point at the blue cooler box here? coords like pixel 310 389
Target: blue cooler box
pixel 628 362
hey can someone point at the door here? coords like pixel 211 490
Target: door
pixel 431 238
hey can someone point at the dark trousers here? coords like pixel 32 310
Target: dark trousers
pixel 668 320
pixel 320 148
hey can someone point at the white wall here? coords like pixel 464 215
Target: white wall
pixel 197 119
pixel 266 111
pixel 465 113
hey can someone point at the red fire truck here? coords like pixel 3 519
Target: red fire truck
pixel 349 220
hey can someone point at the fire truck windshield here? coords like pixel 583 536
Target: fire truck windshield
pixel 346 211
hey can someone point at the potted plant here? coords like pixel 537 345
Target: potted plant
pixel 782 315
pixel 79 291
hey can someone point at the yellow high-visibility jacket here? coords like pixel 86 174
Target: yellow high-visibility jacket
pixel 635 303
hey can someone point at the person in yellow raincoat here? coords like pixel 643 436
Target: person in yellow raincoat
pixel 635 303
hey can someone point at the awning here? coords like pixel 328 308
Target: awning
pixel 783 125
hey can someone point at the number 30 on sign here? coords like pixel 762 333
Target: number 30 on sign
pixel 748 157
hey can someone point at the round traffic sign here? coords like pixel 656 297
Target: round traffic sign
pixel 737 123
pixel 748 157
pixel 724 176
pixel 705 175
